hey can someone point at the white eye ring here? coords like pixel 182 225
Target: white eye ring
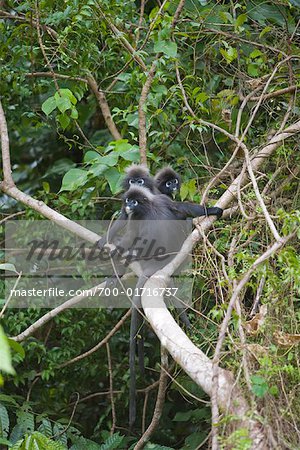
pixel 131 181
pixel 126 200
pixel 135 202
pixel 140 181
pixel 175 181
pixel 168 183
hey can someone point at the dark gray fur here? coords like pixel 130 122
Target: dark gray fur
pixel 134 174
pixel 168 181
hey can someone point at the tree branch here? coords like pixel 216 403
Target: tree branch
pixel 100 96
pixel 142 114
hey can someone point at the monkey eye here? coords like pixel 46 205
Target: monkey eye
pixel 131 181
pixel 134 202
pixel 140 181
pixel 175 181
pixel 168 183
pixel 127 200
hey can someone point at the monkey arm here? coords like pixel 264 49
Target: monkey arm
pixel 117 225
pixel 189 209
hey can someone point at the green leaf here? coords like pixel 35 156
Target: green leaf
pixel 259 386
pixel 5 358
pixel 133 120
pixel 202 97
pixel 8 266
pixel 17 347
pixel 265 31
pixel 74 113
pixel 252 70
pixel 97 170
pixel 194 439
pixel 46 187
pixel 183 416
pixel 91 155
pixel 114 179
pixel 67 94
pixel 255 54
pixel 49 105
pixel 122 145
pixel 132 154
pixel 4 421
pixel 64 120
pixel 230 54
pixel 109 160
pixel 4 441
pixel 169 48
pixel 63 103
pixel 73 179
pixel 7 399
pixel 184 191
pixel 241 20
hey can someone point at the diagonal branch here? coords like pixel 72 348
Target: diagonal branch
pixel 100 96
pixel 8 186
pixel 195 363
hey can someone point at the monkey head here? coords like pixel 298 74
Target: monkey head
pixel 138 175
pixel 167 181
pixel 137 202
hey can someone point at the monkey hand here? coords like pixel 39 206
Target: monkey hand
pixel 219 212
pixel 103 245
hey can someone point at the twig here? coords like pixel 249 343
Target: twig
pixel 277 93
pixel 142 114
pixel 163 379
pixel 99 345
pixel 10 296
pixel 257 297
pixel 119 35
pixel 49 315
pixel 55 75
pixel 247 41
pixel 142 10
pixel 111 391
pixel 177 13
pixel 42 46
pixel 30 21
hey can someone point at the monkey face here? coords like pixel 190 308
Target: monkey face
pixel 136 181
pixel 172 186
pixel 130 205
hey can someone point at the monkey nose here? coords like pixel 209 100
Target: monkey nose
pixel 127 209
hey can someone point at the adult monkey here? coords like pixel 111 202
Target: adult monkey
pixel 144 212
pixel 166 181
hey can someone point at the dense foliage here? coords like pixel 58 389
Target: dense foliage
pixel 63 153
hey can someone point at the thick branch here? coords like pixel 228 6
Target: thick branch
pixel 100 96
pixel 5 148
pixel 142 114
pixel 193 360
pixel 10 189
pixel 44 210
pixel 49 315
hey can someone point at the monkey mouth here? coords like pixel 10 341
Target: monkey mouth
pixel 128 210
